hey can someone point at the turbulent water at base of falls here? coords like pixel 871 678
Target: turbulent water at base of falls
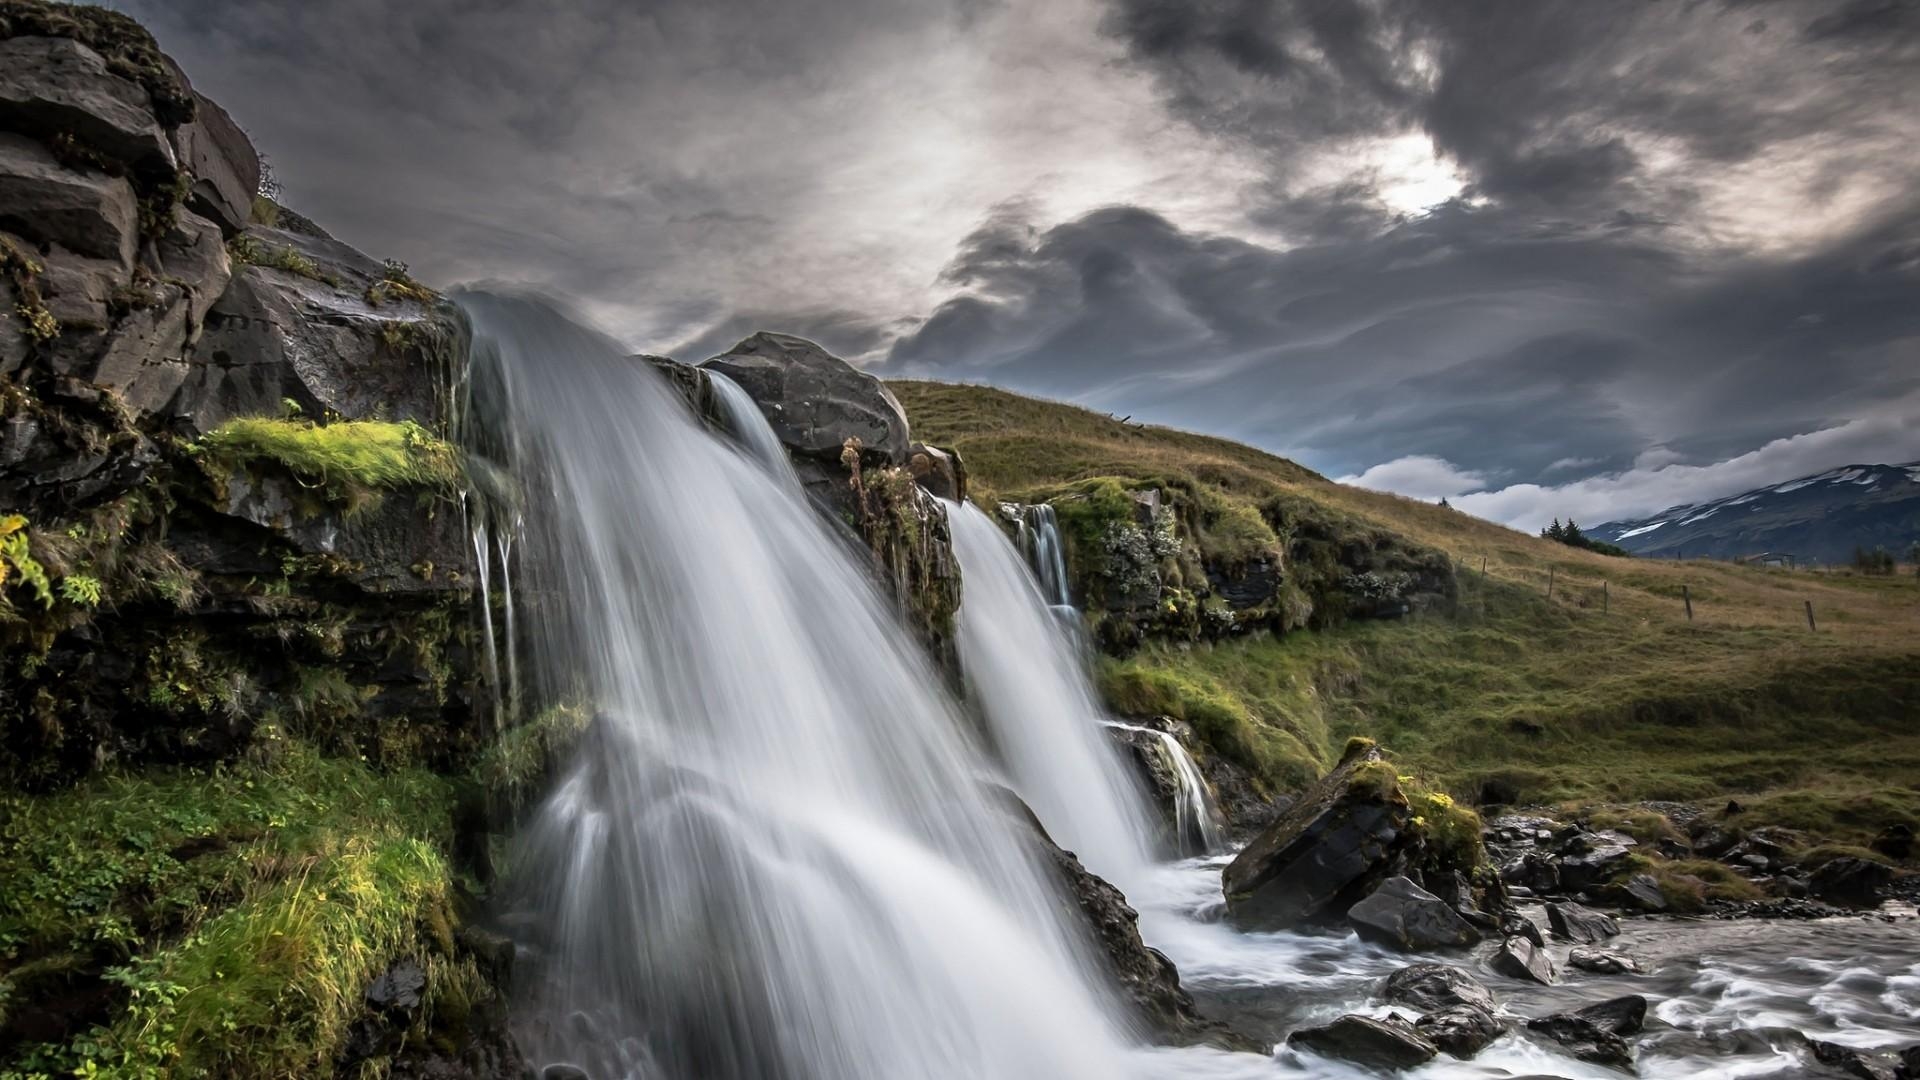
pixel 774 856
pixel 1196 822
pixel 1045 722
pixel 747 424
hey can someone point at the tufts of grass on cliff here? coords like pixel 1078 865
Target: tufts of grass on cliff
pixel 219 922
pixel 1602 692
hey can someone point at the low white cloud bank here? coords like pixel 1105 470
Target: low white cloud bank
pixel 1656 481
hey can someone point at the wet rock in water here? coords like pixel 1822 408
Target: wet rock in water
pixel 1380 1044
pixel 1514 924
pixel 1405 916
pixel 1519 958
pixel 564 1072
pixel 1865 1064
pixel 1850 881
pixel 1602 962
pixel 1624 1015
pixel 1584 1039
pixel 1431 987
pixel 1322 856
pixel 1643 892
pixel 1143 976
pixel 1572 922
pixel 1463 1030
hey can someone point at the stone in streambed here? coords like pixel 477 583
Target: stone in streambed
pixel 1430 987
pixel 1584 1039
pixel 1602 962
pixel 1463 1030
pixel 1519 958
pixel 1380 1044
pixel 1624 1015
pixel 1575 923
pixel 1643 892
pixel 1514 924
pixel 1405 916
pixel 1322 856
pixel 1865 1064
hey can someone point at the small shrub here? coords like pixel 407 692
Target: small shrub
pixel 80 590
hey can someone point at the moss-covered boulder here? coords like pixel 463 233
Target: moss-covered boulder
pixel 1343 838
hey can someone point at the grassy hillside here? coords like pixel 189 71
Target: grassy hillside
pixel 1604 691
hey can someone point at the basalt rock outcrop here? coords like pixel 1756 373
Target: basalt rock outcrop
pixel 1344 839
pixel 166 593
pixel 230 518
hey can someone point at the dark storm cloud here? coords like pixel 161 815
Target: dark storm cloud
pixel 1503 347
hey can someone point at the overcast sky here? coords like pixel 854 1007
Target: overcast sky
pixel 1572 258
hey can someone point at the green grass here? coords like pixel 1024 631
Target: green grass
pixel 350 460
pixel 1589 698
pixel 233 916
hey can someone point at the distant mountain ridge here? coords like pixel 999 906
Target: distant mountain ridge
pixel 1820 518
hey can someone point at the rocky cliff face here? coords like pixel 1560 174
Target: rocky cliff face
pixel 229 505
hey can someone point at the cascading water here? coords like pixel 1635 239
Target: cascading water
pixel 748 425
pixel 1043 717
pixel 1040 542
pixel 773 856
pixel 1196 821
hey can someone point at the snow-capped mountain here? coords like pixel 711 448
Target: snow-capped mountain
pixel 1814 519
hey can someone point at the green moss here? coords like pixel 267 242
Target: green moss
pixel 518 763
pixel 1687 884
pixel 23 272
pixel 397 284
pixel 1148 684
pixel 1377 781
pixel 235 913
pixel 351 460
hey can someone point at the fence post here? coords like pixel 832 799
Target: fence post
pixel 1483 567
pixel 1686 594
pixel 1810 625
pixel 1604 602
pixel 1549 582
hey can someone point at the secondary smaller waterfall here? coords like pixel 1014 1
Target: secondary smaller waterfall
pixel 749 427
pixel 1041 544
pixel 1196 821
pixel 1027 678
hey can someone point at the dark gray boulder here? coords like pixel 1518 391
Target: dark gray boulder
pixel 1322 856
pixel 1643 891
pixel 1584 1039
pixel 1404 916
pixel 1514 924
pixel 815 401
pixel 1624 1015
pixel 1431 987
pixel 1850 881
pixel 1379 1044
pixel 1850 1061
pixel 87 212
pixel 1571 922
pixel 1596 864
pixel 1461 1030
pixel 1519 958
pixel 51 86
pixel 1601 962
pixel 224 164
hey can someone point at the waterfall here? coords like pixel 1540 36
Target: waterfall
pixel 748 425
pixel 1196 821
pixel 1043 716
pixel 773 857
pixel 1041 544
